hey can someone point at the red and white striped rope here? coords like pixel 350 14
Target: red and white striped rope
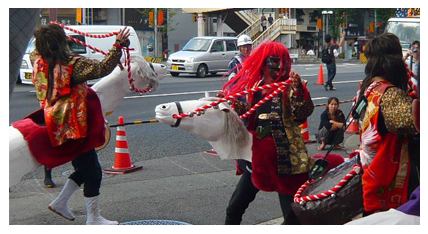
pixel 125 49
pixel 280 86
pixel 84 33
pixel 298 198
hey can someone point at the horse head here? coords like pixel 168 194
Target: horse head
pixel 221 127
pixel 114 87
pixel 145 74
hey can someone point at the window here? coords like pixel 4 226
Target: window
pixel 76 48
pixel 217 46
pixel 230 45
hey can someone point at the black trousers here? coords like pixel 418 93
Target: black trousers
pixel 331 73
pixel 245 192
pixel 87 171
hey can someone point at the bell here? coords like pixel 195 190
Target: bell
pixel 216 107
pixel 191 114
pixel 230 102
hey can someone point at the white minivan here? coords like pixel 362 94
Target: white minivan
pixel 103 44
pixel 203 55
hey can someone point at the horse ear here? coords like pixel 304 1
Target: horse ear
pixel 224 107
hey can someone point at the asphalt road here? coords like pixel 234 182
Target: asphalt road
pixel 178 181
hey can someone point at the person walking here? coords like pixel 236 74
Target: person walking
pixel 270 19
pixel 331 64
pixel 332 121
pixel 263 22
pixel 279 163
pixel 60 81
pixel 387 127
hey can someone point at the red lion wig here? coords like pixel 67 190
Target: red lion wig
pixel 252 68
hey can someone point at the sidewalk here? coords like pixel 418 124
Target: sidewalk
pixel 191 188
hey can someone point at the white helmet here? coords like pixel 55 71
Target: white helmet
pixel 244 40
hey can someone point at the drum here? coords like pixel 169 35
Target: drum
pixel 335 198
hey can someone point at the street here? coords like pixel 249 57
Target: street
pixel 178 182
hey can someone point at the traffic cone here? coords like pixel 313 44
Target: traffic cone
pixel 353 126
pixel 304 130
pixel 320 77
pixel 122 161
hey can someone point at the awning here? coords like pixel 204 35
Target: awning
pixel 205 10
pixel 211 10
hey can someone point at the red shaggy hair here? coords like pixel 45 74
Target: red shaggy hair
pixel 252 67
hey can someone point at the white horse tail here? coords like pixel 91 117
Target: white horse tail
pixel 21 161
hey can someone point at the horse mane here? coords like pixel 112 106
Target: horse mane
pixel 235 135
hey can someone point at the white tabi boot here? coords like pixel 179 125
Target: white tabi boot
pixel 60 204
pixel 93 213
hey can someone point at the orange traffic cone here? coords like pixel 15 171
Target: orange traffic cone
pixel 320 77
pixel 122 161
pixel 304 130
pixel 353 126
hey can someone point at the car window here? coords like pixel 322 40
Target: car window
pixel 197 44
pixel 217 46
pixel 31 46
pixel 76 48
pixel 230 45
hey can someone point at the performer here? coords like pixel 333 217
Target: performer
pixel 72 111
pixel 280 160
pixel 386 126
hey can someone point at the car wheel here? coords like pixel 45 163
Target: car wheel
pixel 202 71
pixel 174 74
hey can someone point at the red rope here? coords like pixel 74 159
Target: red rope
pixel 298 199
pixel 125 49
pixel 280 86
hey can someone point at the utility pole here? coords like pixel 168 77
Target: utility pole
pixel 155 26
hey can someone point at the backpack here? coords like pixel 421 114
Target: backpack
pixel 326 55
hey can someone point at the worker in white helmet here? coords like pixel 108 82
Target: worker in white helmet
pixel 245 44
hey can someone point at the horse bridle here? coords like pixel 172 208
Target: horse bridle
pixel 180 111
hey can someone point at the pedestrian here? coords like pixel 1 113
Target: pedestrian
pixel 279 117
pixel 331 125
pixel 387 128
pixel 245 44
pixel 60 81
pixel 331 65
pixel 414 53
pixel 270 19
pixel 263 22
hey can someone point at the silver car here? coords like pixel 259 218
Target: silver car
pixel 203 55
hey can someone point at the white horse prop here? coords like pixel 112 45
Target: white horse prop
pixel 110 90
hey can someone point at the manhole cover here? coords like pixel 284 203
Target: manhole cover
pixel 154 222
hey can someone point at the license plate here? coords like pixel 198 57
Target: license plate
pixel 174 67
pixel 27 75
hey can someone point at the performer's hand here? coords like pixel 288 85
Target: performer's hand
pixel 297 82
pixel 122 37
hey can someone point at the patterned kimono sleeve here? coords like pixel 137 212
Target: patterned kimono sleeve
pixel 89 69
pixel 396 108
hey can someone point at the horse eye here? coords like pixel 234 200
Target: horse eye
pixel 163 107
